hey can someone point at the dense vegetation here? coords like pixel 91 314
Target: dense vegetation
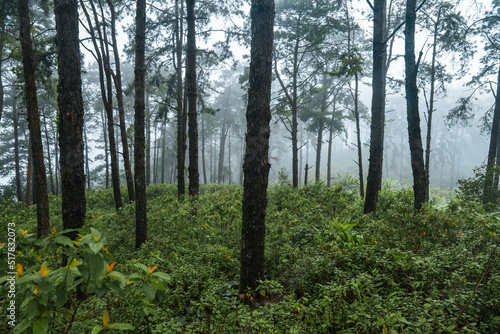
pixel 329 268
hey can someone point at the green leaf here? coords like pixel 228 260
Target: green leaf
pixel 21 326
pixel 97 265
pixel 31 309
pixel 149 291
pixel 118 276
pixel 97 329
pixel 95 247
pixel 121 326
pixel 143 267
pixel 64 240
pixel 348 226
pixel 26 278
pixel 163 276
pixel 41 326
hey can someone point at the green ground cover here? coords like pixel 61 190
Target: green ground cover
pixel 329 268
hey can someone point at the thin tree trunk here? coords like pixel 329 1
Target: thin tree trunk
pixel 104 66
pixel 414 133
pixel 40 176
pixel 430 111
pixel 163 149
pixel 106 158
pixel 56 152
pixel 191 92
pixel 117 77
pixel 70 116
pixel 139 107
pixel 87 167
pixel 49 157
pixel 203 161
pixel 16 146
pixel 256 166
pixel 28 175
pixel 148 144
pixel 181 140
pixel 358 137
pixel 374 180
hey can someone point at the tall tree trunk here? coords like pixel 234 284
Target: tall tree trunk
pixel 106 158
pixel 49 157
pixel 70 116
pixel 295 150
pixel 148 142
pixel 139 107
pixel 358 137
pixel 222 147
pixel 56 152
pixel 181 139
pixel 117 77
pixel 430 110
pixel 488 193
pixel 414 133
pixel 42 208
pixel 16 146
pixel 329 161
pixel 163 149
pixel 256 166
pixel 203 161
pixel 28 174
pixel 374 180
pixel 191 91
pixel 104 66
pixel 87 165
pixel 321 126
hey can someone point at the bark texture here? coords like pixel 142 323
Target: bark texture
pixel 70 116
pixel 42 209
pixel 374 179
pixel 414 133
pixel 256 166
pixel 191 91
pixel 141 219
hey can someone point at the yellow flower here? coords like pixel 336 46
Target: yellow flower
pixel 151 269
pixel 73 264
pixel 110 266
pixel 43 269
pixel 20 269
pixel 129 282
pixel 35 292
pixel 54 230
pixel 96 238
pixel 24 232
pixel 298 309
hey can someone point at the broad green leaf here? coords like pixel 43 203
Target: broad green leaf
pixel 97 265
pixel 163 276
pixel 41 326
pixel 64 240
pixel 97 329
pixel 149 291
pixel 95 247
pixel 143 267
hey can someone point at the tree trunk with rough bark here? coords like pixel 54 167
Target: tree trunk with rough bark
pixel 412 110
pixel 42 208
pixel 256 166
pixel 374 180
pixel 70 116
pixel 141 218
pixel 191 91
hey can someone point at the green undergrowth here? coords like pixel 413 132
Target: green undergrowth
pixel 329 267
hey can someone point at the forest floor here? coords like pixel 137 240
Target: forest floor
pixel 329 267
